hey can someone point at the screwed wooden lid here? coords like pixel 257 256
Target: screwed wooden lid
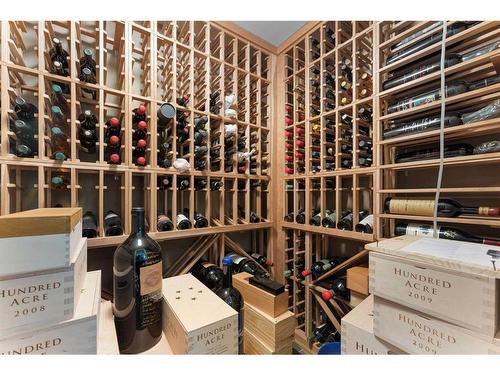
pixel 40 221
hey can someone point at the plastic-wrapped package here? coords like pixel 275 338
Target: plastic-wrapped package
pixel 479 84
pixel 487 147
pixel 492 110
pixel 229 101
pixel 182 165
pixel 413 36
pixel 422 125
pixel 230 129
pixel 231 113
pixel 481 51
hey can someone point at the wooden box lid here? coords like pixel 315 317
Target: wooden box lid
pixel 193 303
pixel 460 256
pixel 40 221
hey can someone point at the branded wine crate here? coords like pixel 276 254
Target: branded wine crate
pixel 77 335
pixel 450 280
pixel 418 333
pixel 275 333
pixel 357 279
pixel 252 345
pixel 262 300
pixel 357 332
pixel 356 298
pixel 196 320
pixel 38 240
pixel 35 299
pixel 106 338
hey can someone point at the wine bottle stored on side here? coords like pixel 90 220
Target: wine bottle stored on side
pixel 164 224
pixel 232 297
pixel 137 287
pixel 338 287
pixel 320 267
pixel 262 260
pixel 425 207
pixel 325 332
pixel 345 223
pixel 365 225
pixel 183 222
pixel 448 233
pixel 243 264
pixel 112 224
pixel 209 274
pixel 89 225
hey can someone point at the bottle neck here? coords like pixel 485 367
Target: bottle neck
pixel 138 222
pixel 228 276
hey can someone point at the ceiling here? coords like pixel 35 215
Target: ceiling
pixel 274 32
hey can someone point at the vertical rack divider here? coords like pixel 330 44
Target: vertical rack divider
pixel 191 128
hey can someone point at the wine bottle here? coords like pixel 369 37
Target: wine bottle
pixel 459 149
pixel 209 274
pixel 113 149
pixel 408 74
pixel 243 264
pixel 59 120
pixel 329 221
pixel 365 114
pixel 59 144
pixel 345 222
pixel 182 183
pixel 164 224
pixel 89 225
pixel 26 145
pixel 59 182
pixel 425 207
pixel 137 289
pixel 320 267
pixel 165 115
pixel 479 84
pixel 454 88
pixel 58 54
pixel 216 185
pixel 141 132
pixel 325 332
pixel 232 297
pixel 316 218
pixel 449 233
pixel 139 153
pixel 365 225
pixel 199 220
pixel 87 76
pixel 338 287
pixel 87 61
pixel 183 222
pixel 421 125
pixel 112 224
pixel 300 218
pixel 415 35
pixel 262 260
pixel 59 100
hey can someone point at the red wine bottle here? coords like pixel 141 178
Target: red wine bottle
pixel 338 287
pixel 320 267
pixel 425 207
pixel 137 287
pixel 449 233
pixel 89 225
pixel 262 260
pixel 164 224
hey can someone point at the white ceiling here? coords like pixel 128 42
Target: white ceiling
pixel 274 32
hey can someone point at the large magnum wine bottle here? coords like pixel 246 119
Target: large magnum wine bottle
pixel 137 286
pixel 425 207
pixel 232 297
pixel 449 233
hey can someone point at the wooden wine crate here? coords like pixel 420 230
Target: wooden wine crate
pixel 356 298
pixel 418 333
pixel 77 335
pixel 275 333
pixel 252 345
pixel 196 320
pixel 35 299
pixel 262 300
pixel 450 280
pixel 106 337
pixel 38 240
pixel 357 332
pixel 357 279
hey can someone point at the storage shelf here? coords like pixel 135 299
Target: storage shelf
pixel 458 220
pixel 346 234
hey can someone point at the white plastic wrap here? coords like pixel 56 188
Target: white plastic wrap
pixel 230 130
pixel 487 147
pixel 182 165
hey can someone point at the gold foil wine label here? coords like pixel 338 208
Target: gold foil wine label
pixel 151 278
pixel 412 207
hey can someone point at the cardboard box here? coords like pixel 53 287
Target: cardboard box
pixel 77 335
pixel 357 279
pixel 262 300
pixel 275 333
pixel 357 332
pixel 196 320
pixel 450 288
pixel 37 240
pixel 36 299
pixel 418 333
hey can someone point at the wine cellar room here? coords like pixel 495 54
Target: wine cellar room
pixel 250 187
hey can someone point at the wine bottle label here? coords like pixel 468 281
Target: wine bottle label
pixel 420 230
pixel 367 221
pixel 420 207
pixel 489 211
pixel 237 258
pixel 181 217
pixel 151 278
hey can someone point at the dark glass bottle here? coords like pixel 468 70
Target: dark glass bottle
pixel 87 61
pixel 165 113
pixel 325 332
pixel 449 233
pixel 365 225
pixel 139 114
pixel 232 297
pixel 345 223
pixel 139 153
pixel 59 100
pixel 112 224
pixel 243 264
pixel 209 274
pixel 216 185
pixel 330 219
pixel 58 54
pixel 183 222
pixel 200 184
pixel 425 207
pixel 59 144
pixel 164 182
pixel 113 150
pixel 137 287
pixel 320 267
pixel 338 287
pixel 164 223
pixel 89 225
pixel 262 260
pixel 26 145
pixel 59 182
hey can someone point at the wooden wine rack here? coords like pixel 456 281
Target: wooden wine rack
pixel 150 63
pixel 464 177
